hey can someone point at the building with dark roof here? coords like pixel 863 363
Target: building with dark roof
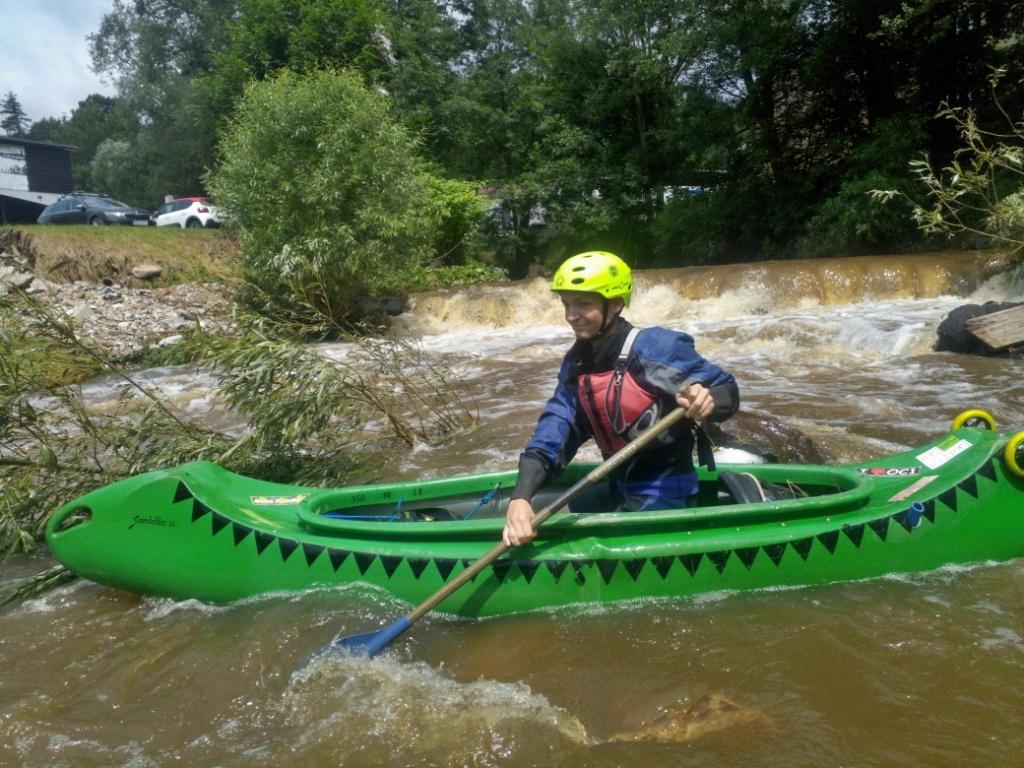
pixel 33 174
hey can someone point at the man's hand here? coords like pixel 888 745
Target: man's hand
pixel 696 401
pixel 517 523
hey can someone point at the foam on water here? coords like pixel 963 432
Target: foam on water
pixel 1003 637
pixel 54 600
pixel 159 608
pixel 413 707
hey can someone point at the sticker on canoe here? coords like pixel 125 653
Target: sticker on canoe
pixel 948 449
pixel 913 488
pixel 890 471
pixel 276 501
pixel 156 520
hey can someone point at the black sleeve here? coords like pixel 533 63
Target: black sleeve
pixel 727 400
pixel 533 473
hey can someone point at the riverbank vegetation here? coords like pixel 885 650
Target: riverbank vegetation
pixel 293 414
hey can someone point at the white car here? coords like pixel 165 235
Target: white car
pixel 189 213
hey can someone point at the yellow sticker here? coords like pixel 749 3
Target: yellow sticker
pixel 951 441
pixel 276 501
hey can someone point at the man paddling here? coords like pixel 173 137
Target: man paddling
pixel 614 382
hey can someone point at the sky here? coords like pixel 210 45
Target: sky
pixel 44 56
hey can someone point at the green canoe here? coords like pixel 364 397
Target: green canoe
pixel 199 531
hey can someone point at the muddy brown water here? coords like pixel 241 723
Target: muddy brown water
pixel 920 670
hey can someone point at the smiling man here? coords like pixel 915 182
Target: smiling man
pixel 616 381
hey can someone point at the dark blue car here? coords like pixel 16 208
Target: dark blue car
pixel 83 208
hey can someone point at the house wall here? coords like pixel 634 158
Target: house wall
pixel 49 169
pixel 13 167
pixel 32 175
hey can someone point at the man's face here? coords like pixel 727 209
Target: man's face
pixel 584 312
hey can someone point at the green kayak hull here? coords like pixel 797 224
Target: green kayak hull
pixel 197 531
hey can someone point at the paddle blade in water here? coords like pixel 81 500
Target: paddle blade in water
pixel 371 643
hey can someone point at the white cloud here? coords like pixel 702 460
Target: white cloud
pixel 44 56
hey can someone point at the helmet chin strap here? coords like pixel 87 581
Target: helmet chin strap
pixel 605 323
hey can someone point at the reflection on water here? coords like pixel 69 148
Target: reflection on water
pixel 912 671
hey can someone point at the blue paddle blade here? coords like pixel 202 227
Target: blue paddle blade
pixel 371 643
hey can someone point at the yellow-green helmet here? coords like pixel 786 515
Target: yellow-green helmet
pixel 597 272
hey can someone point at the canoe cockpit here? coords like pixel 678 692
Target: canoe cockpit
pixel 736 487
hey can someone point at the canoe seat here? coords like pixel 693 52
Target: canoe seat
pixel 745 488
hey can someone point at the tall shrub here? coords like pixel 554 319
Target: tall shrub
pixel 329 192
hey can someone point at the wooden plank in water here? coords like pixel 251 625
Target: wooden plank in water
pixel 999 329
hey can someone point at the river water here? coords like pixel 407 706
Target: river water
pixel 923 670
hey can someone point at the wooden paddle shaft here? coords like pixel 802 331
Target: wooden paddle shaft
pixel 597 473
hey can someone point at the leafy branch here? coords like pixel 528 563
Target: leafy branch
pixel 981 192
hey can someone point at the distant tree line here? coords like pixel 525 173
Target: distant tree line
pixel 13 120
pixel 675 131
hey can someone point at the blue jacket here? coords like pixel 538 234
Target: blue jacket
pixel 662 362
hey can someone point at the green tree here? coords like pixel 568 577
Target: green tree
pixel 51 129
pixel 157 51
pixel 619 132
pixel 265 36
pixel 117 170
pixel 96 119
pixel 422 47
pixel 149 45
pixel 328 190
pixel 598 112
pixel 13 119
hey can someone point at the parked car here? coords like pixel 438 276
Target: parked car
pixel 188 212
pixel 89 208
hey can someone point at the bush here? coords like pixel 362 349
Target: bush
pixel 713 227
pixel 457 213
pixel 854 222
pixel 334 204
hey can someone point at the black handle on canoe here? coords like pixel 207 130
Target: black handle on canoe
pixel 371 643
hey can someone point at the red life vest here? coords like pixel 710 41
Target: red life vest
pixel 617 407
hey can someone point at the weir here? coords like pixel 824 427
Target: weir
pixel 747 289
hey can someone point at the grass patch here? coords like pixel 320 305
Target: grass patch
pixel 68 253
